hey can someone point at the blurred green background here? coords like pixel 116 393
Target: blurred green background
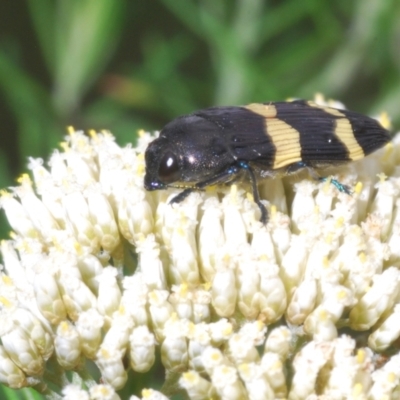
pixel 124 65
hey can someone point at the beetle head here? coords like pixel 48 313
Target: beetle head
pixel 189 149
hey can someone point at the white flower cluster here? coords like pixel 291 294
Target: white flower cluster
pixel 100 271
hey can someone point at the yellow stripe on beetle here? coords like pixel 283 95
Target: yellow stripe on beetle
pixel 285 138
pixel 344 132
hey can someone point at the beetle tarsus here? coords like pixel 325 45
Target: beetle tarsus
pixel 339 186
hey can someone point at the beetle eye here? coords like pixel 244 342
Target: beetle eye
pixel 168 171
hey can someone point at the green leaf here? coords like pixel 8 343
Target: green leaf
pixel 43 17
pixel 77 38
pixel 31 107
pixel 21 394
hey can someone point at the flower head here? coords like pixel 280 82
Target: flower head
pixel 98 269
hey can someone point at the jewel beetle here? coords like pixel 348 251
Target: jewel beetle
pixel 261 140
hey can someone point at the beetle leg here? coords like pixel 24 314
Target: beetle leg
pixel 181 196
pixel 220 178
pixel 292 168
pixel 256 194
pixel 339 186
pixel 314 175
pixel 223 177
